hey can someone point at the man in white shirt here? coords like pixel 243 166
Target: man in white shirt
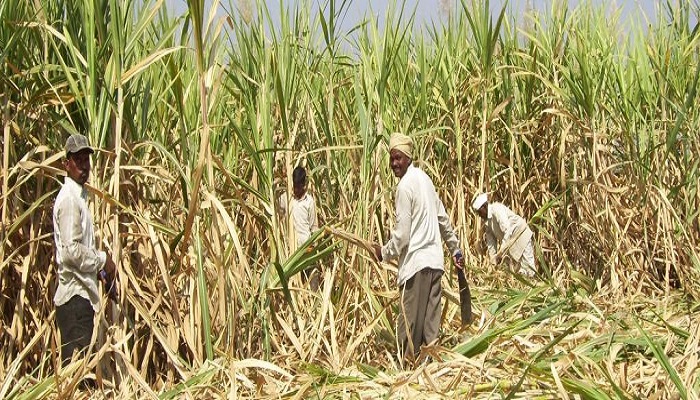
pixel 506 233
pixel 80 264
pixel 304 219
pixel 416 240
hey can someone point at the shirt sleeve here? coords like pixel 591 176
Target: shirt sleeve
pixel 313 218
pixel 491 245
pixel 74 253
pixel 400 235
pixel 508 221
pixel 446 230
pixel 282 204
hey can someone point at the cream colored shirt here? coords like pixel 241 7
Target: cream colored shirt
pixel 303 213
pixel 501 224
pixel 77 258
pixel 421 226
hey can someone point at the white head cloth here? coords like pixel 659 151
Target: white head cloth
pixel 480 200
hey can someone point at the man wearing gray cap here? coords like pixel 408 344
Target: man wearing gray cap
pixel 80 264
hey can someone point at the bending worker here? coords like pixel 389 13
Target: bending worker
pixel 506 233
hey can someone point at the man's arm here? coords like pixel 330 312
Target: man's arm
pixel 491 244
pixel 400 235
pixel 506 219
pixel 313 217
pixel 516 225
pixel 447 232
pixel 75 254
pixel 449 236
pixel 508 222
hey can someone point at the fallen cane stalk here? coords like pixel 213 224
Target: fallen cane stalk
pixel 356 241
pixel 351 238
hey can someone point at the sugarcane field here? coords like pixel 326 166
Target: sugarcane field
pixel 349 199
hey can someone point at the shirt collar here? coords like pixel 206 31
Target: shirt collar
pixel 410 168
pixel 75 188
pixel 303 196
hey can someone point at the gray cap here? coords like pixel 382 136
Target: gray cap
pixel 77 142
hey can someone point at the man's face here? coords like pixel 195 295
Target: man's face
pixel 484 211
pixel 399 162
pixel 299 190
pixel 78 166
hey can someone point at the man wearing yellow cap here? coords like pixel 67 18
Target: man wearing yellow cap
pixel 506 233
pixel 416 240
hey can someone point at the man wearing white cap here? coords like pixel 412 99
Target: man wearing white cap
pixel 80 264
pixel 506 233
pixel 416 240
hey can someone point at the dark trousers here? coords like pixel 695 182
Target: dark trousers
pixel 419 316
pixel 312 276
pixel 75 322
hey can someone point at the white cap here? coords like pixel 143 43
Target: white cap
pixel 480 200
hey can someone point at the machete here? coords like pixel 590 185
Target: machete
pixel 465 298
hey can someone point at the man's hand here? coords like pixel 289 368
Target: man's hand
pixel 110 268
pixel 377 251
pixel 107 277
pixel 459 259
pixel 498 259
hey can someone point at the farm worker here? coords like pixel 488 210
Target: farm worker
pixel 303 214
pixel 80 264
pixel 506 233
pixel 416 240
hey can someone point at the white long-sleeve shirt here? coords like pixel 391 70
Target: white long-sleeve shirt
pixel 303 212
pixel 501 224
pixel 77 258
pixel 421 225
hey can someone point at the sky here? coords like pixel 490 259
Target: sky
pixel 642 12
pixel 427 10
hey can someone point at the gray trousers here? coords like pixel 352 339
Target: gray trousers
pixel 75 322
pixel 419 316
